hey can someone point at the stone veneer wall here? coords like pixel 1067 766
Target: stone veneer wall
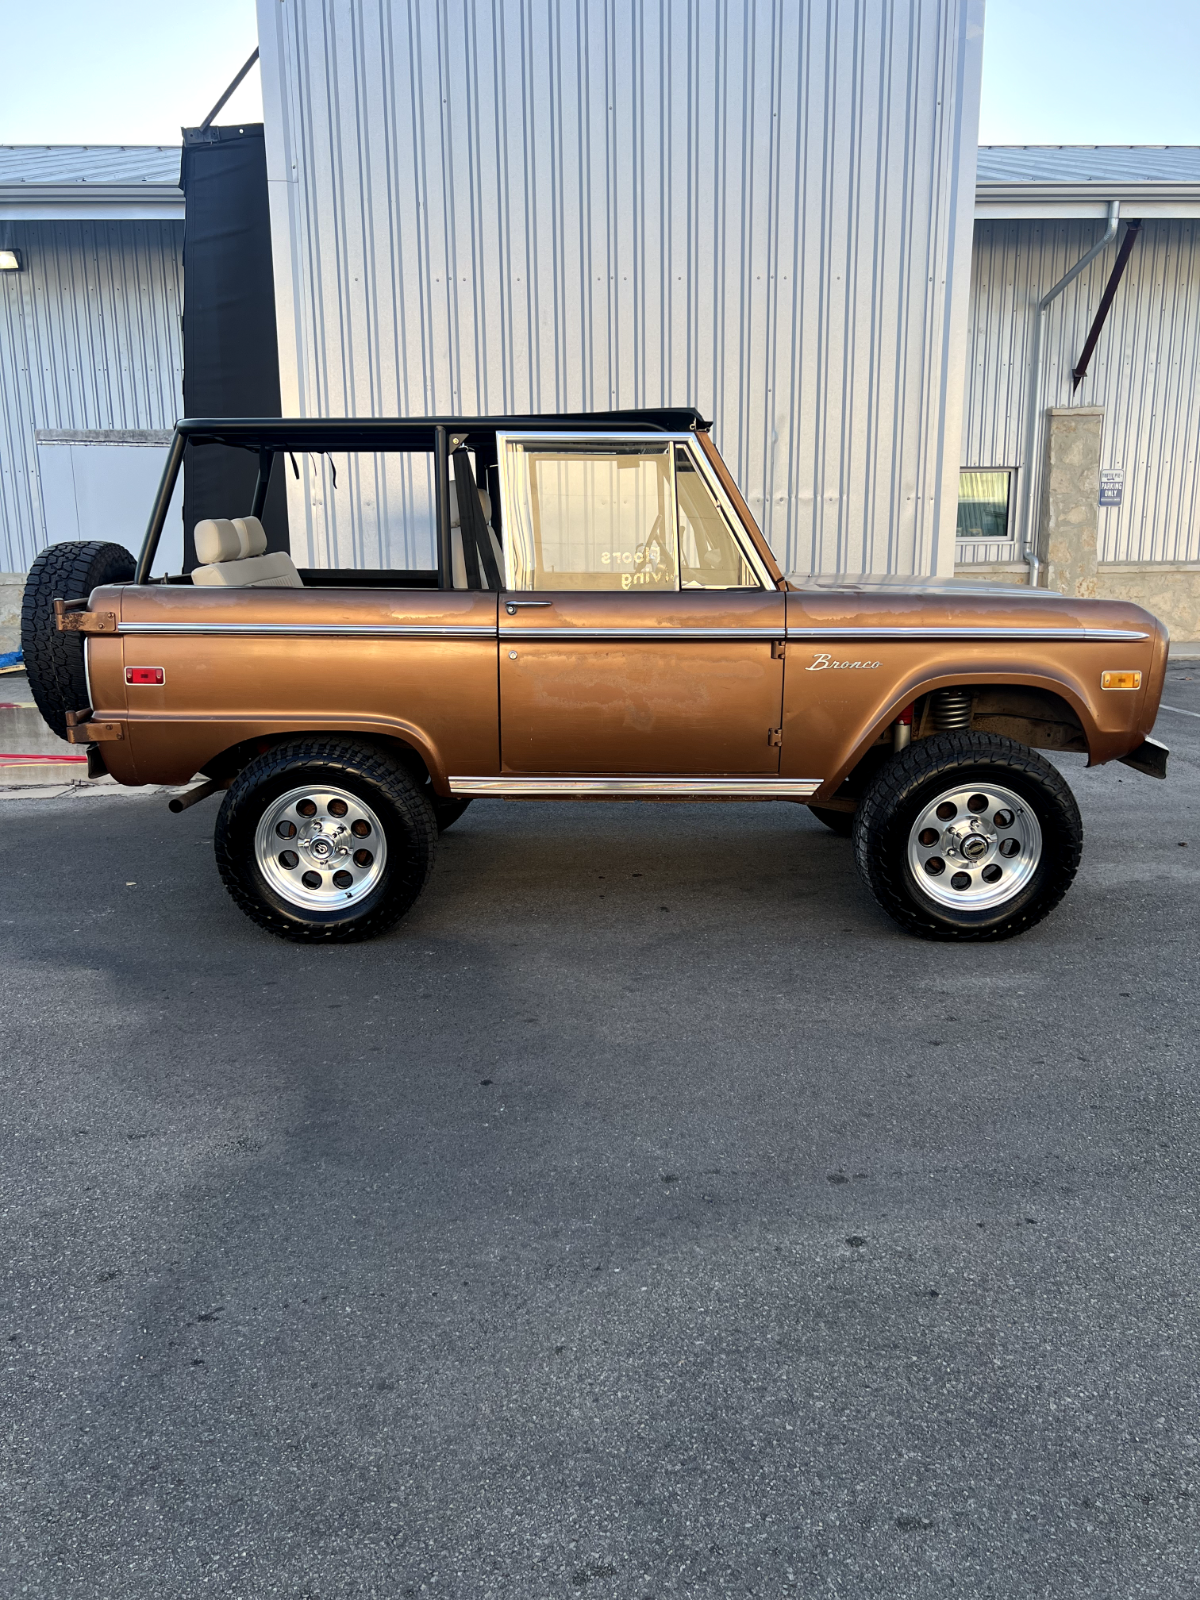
pixel 12 587
pixel 1068 529
pixel 1069 520
pixel 1169 589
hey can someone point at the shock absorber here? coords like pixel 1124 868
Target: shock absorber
pixel 951 710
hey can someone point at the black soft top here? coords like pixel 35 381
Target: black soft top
pixel 418 433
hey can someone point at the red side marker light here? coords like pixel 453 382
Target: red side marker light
pixel 145 675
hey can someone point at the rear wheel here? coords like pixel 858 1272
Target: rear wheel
pixel 968 836
pixel 53 660
pixel 325 840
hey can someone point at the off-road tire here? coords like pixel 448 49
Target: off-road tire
pixel 839 822
pixel 53 660
pixel 393 795
pixel 907 783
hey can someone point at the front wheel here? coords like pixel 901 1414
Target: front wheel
pixel 968 836
pixel 325 840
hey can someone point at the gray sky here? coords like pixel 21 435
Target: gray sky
pixel 134 71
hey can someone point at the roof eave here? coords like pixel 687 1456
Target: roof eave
pixel 85 202
pixel 1038 200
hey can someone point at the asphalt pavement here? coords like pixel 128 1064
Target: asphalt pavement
pixel 646 1216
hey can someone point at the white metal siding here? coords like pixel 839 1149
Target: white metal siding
pixel 89 339
pixel 1145 371
pixel 759 208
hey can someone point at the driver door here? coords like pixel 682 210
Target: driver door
pixel 637 636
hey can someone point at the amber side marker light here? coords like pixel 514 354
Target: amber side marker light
pixel 1120 680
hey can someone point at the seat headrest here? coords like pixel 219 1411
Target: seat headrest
pixel 217 540
pixel 485 500
pixel 253 536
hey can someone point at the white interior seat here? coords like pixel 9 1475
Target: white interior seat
pixel 234 555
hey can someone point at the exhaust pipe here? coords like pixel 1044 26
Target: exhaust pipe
pixel 191 797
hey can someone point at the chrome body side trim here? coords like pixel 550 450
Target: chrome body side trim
pixel 322 630
pixel 663 635
pixel 1044 634
pixel 764 787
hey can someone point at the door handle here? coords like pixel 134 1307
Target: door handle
pixel 511 605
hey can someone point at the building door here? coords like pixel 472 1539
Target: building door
pixel 101 485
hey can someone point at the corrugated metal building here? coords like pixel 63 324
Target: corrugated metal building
pixel 762 210
pixel 90 349
pixel 1039 211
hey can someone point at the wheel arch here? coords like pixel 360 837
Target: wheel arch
pixel 1040 710
pixel 413 752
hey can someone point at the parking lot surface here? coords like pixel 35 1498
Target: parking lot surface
pixel 646 1216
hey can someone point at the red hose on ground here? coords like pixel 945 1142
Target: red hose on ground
pixel 7 757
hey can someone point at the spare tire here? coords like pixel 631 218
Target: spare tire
pixel 53 660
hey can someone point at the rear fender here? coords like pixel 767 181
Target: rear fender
pixel 222 749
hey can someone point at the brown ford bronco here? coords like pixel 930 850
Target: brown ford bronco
pixel 605 621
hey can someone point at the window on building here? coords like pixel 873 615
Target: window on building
pixel 983 501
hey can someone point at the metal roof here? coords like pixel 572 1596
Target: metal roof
pixel 78 181
pixel 1088 163
pixel 82 181
pixel 1078 180
pixel 998 163
pixel 89 163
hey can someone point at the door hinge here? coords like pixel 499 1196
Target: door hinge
pixel 72 616
pixel 82 729
pixel 778 649
pixel 774 736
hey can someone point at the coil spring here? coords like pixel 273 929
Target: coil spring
pixel 951 710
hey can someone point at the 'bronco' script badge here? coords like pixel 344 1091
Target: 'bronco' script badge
pixel 823 662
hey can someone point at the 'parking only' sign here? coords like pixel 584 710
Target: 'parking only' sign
pixel 1111 487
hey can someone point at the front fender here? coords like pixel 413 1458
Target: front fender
pixel 829 725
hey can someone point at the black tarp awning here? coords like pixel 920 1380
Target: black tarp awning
pixel 230 350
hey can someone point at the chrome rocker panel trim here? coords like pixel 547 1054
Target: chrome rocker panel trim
pixel 758 788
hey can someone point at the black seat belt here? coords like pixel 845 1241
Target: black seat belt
pixel 477 544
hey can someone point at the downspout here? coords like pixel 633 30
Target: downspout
pixel 1033 419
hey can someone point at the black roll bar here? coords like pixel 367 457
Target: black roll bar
pixel 441 467
pixel 266 460
pixel 162 505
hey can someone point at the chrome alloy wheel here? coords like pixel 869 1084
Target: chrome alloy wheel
pixel 320 848
pixel 974 847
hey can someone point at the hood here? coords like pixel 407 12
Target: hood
pixel 905 583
